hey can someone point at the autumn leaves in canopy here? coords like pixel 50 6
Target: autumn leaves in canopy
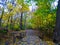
pixel 42 18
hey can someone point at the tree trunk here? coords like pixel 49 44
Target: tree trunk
pixel 56 35
pixel 25 16
pixel 8 22
pixel 11 23
pixel 21 25
pixel 1 17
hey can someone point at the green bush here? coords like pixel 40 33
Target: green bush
pixel 3 31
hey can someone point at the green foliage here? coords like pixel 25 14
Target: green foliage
pixel 3 32
pixel 21 6
pixel 44 18
pixel 16 27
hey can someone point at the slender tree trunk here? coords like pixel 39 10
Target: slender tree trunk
pixel 1 17
pixel 56 35
pixel 21 25
pixel 11 23
pixel 25 21
pixel 8 22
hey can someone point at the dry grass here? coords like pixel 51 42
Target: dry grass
pixel 48 40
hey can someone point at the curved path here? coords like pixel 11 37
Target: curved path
pixel 31 39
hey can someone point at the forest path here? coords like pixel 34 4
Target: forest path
pixel 31 39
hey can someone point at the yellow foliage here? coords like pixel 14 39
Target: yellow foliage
pixel 11 13
pixel 36 22
pixel 10 6
pixel 49 16
pixel 24 8
pixel 19 2
pixel 16 9
pixel 5 17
